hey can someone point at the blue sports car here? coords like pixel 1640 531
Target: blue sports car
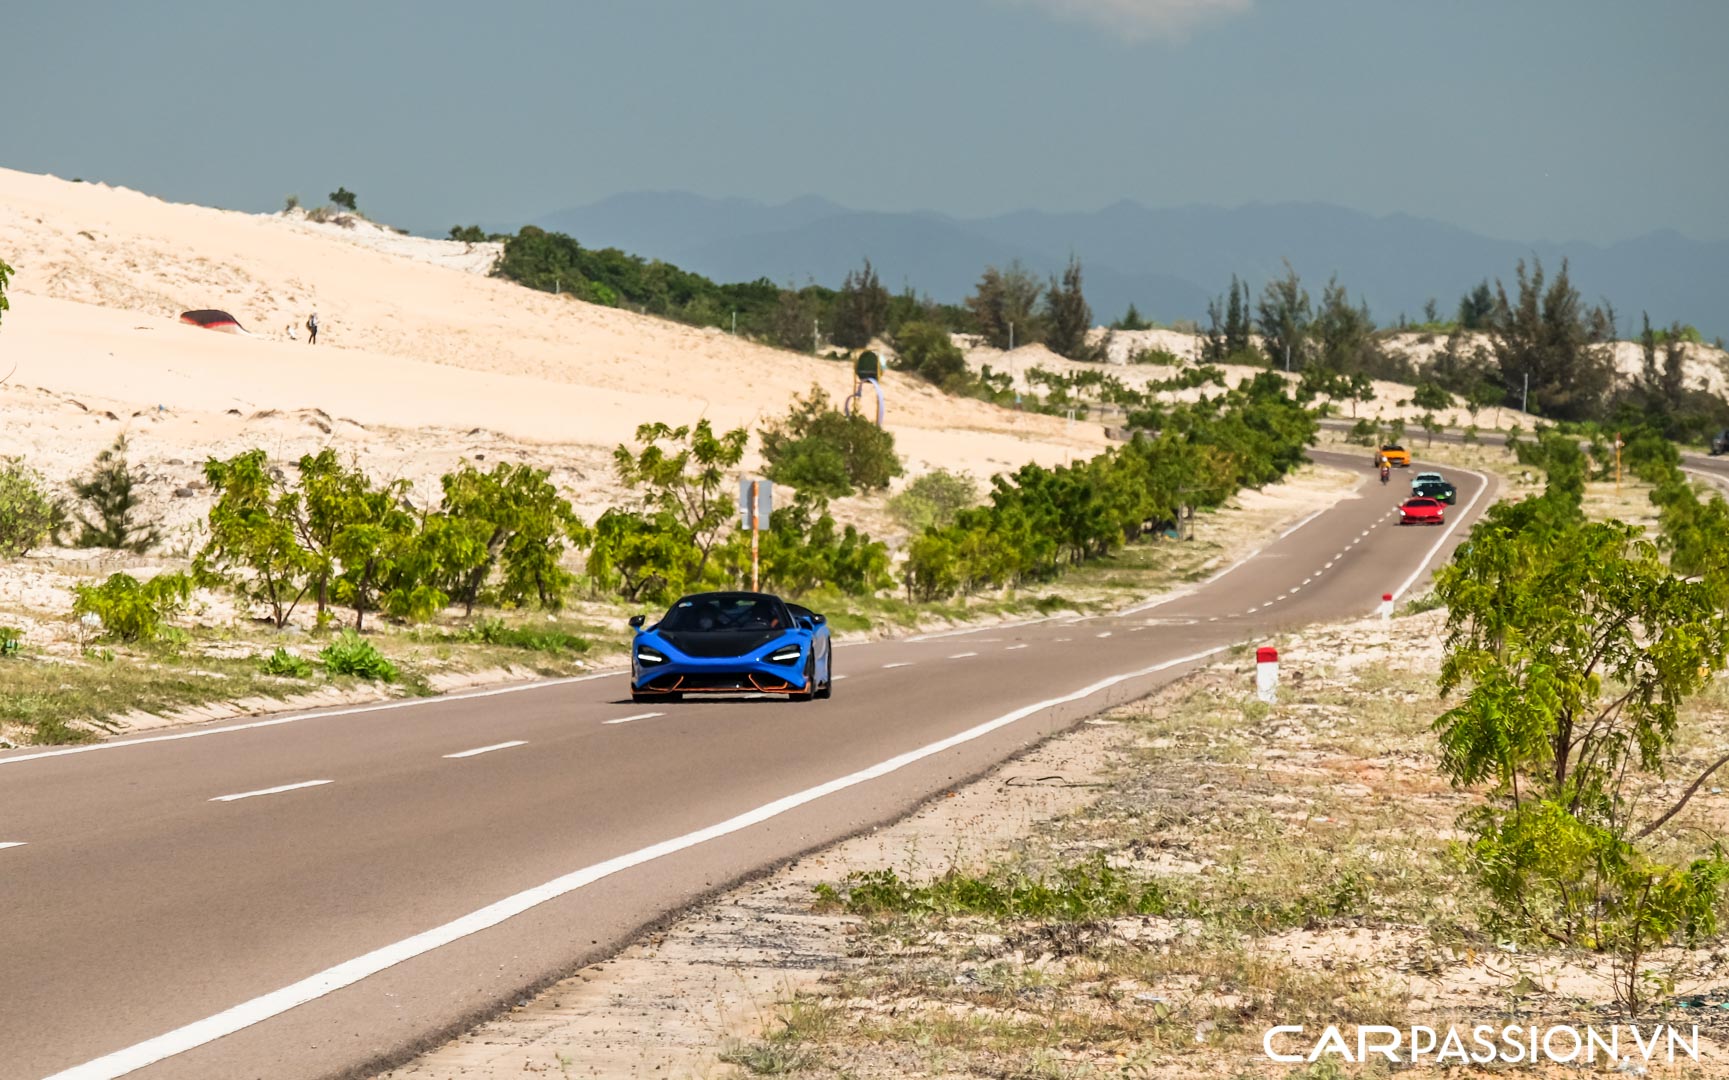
pixel 731 643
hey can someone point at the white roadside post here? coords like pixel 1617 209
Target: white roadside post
pixel 1386 607
pixel 1267 673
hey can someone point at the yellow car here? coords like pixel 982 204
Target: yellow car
pixel 1393 454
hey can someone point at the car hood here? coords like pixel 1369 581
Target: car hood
pixel 712 643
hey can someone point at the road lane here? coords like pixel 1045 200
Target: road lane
pixel 141 906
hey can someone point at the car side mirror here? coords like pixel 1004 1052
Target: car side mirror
pixel 818 620
pixel 636 621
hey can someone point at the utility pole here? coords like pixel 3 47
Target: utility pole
pixel 816 335
pixel 735 324
pixel 1287 358
pixel 1525 398
pixel 1011 337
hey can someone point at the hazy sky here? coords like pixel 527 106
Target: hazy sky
pixel 1524 119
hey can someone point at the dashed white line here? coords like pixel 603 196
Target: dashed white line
pixel 1268 604
pixel 269 791
pixel 638 716
pixel 1107 633
pixel 962 655
pixel 836 678
pixel 1306 581
pixel 12 843
pixel 1012 648
pixel 489 749
pixel 898 663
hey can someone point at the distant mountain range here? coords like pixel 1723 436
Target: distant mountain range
pixel 1166 262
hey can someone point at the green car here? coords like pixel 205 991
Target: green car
pixel 1436 489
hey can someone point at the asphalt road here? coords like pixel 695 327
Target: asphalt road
pixel 322 894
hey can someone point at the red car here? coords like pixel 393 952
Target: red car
pixel 1421 511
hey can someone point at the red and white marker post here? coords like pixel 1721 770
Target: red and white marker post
pixel 1267 673
pixel 1386 607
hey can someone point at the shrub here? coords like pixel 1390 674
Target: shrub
pixel 1160 357
pixel 926 350
pixel 132 610
pixel 27 514
pixel 350 654
pixel 282 662
pixel 933 500
pixel 11 640
pixel 826 452
pixel 496 632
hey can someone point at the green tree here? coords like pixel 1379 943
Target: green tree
pixel 1343 333
pixel 1131 320
pixel 5 280
pixel 27 515
pixel 1284 316
pixel 689 481
pixel 1068 316
pixel 860 311
pixel 1004 300
pixel 1578 646
pixel 1362 389
pixel 1545 334
pixel 253 549
pixel 817 448
pixel 344 199
pixel 1429 396
pixel 110 491
pixel 1477 307
pixel 511 520
pixel 933 500
pixel 641 556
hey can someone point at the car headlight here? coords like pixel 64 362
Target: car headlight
pixel 787 654
pixel 646 655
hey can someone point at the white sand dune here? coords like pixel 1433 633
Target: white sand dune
pixel 414 347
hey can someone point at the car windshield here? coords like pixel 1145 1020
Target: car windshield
pixel 1419 503
pixel 1393 446
pixel 724 612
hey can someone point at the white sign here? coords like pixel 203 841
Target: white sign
pixel 764 502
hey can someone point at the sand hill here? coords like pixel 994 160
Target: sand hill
pixel 421 358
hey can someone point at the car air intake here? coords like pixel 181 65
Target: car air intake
pixel 712 643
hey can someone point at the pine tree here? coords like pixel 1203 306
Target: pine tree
pixel 860 310
pixel 109 489
pixel 1284 319
pixel 1005 304
pixel 1069 315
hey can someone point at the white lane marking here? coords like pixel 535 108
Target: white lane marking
pixel 1365 533
pixel 1296 588
pixel 902 663
pixel 1012 648
pixel 274 721
pixel 1136 629
pixel 1065 639
pixel 1190 591
pixel 1213 618
pixel 1306 581
pixel 1303 522
pixel 12 843
pixel 980 629
pixel 269 791
pixel 277 1002
pixel 1268 604
pixel 962 655
pixel 489 749
pixel 1107 633
pixel 638 716
pixel 836 678
pixel 1460 517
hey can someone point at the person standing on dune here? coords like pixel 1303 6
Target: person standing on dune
pixel 312 329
